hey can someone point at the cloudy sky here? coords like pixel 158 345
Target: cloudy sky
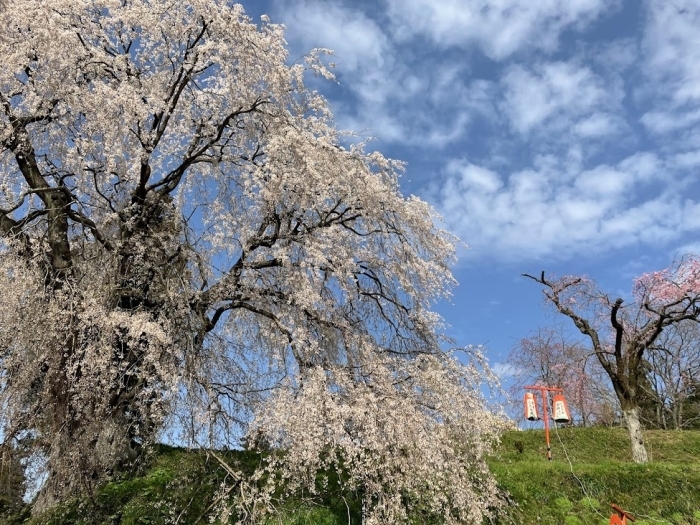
pixel 551 135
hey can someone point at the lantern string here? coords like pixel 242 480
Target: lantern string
pixel 571 468
pixel 583 487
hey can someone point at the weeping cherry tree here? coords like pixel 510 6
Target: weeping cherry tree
pixel 185 244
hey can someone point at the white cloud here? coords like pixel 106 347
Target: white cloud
pixel 359 43
pixel 409 81
pixel 479 179
pixel 669 119
pixel 499 28
pixel 362 52
pixel 398 99
pixel 598 125
pixel 559 210
pixel 687 160
pixel 672 52
pixel 560 95
pixel 429 100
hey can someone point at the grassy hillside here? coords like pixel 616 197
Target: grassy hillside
pixel 600 472
pixel 591 469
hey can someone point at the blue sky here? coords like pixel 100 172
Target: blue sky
pixel 558 136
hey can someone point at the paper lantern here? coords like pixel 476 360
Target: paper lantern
pixel 531 407
pixel 560 411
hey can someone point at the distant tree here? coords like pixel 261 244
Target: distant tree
pixel 691 406
pixel 674 370
pixel 549 357
pixel 624 336
pixel 182 233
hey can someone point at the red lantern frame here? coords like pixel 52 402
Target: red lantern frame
pixel 544 392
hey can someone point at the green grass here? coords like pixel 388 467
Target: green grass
pixel 591 468
pixel 600 472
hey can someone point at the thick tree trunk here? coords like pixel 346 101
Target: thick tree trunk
pixel 634 427
pixel 108 450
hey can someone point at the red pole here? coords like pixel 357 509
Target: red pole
pixel 545 402
pixel 544 391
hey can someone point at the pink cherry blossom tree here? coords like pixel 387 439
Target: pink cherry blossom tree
pixel 623 335
pixel 183 235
